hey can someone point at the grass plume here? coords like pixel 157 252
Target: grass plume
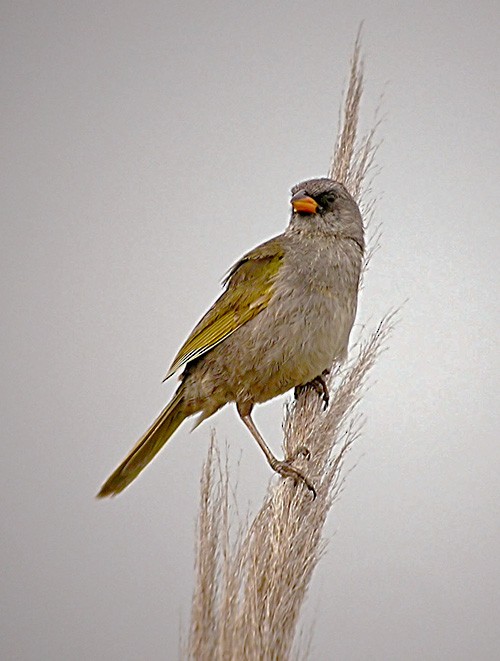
pixel 250 584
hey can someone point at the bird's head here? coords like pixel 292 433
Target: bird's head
pixel 325 204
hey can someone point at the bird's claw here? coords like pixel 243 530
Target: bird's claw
pixel 285 469
pixel 301 451
pixel 320 386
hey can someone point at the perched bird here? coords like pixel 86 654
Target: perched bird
pixel 284 317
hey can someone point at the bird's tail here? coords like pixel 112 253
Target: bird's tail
pixel 146 448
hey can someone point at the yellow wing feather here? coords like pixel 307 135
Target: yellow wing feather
pixel 249 288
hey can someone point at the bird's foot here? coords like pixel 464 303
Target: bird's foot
pixel 285 469
pixel 320 386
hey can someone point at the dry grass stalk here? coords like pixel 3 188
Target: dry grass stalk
pixel 248 592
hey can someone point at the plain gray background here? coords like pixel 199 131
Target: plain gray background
pixel 145 147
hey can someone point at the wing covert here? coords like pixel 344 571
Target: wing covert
pixel 249 288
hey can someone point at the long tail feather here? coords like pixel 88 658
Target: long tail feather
pixel 146 448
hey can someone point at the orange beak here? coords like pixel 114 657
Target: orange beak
pixel 302 203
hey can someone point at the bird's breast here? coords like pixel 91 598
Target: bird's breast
pixel 306 326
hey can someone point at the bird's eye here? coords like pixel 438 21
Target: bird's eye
pixel 328 199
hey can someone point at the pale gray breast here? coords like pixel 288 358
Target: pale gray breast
pixel 316 296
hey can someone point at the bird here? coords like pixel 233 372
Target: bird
pixel 283 319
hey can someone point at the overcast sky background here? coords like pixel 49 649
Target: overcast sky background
pixel 146 146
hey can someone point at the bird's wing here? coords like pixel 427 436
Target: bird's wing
pixel 249 288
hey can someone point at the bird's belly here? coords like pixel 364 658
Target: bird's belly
pixel 288 344
pixel 293 345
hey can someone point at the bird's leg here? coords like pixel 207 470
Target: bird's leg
pixel 284 468
pixel 320 386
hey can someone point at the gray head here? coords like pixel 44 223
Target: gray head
pixel 326 205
